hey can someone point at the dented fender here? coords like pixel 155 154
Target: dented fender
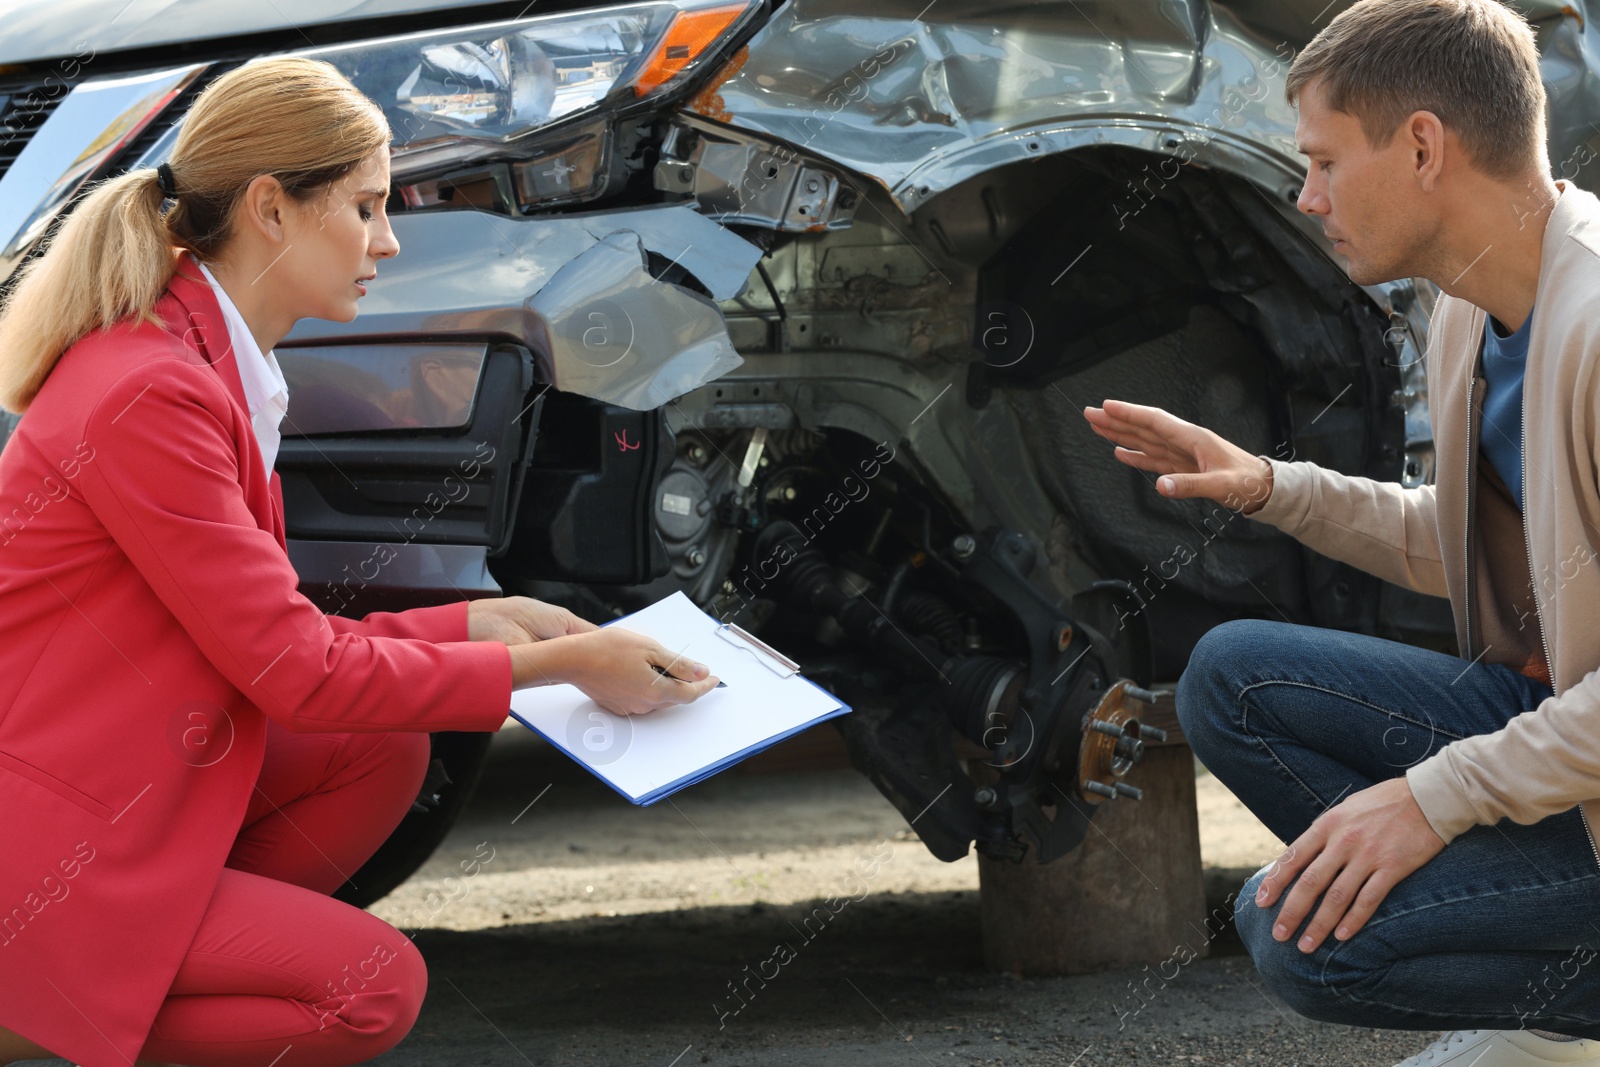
pixel 574 289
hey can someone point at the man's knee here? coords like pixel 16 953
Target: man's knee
pixel 1304 981
pixel 1208 689
pixel 1286 971
pixel 1253 923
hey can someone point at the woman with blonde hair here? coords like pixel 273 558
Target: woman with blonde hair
pixel 192 756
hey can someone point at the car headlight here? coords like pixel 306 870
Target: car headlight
pixel 458 95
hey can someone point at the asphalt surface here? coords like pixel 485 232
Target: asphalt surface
pixel 601 933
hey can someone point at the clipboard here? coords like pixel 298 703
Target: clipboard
pixel 768 656
pixel 648 757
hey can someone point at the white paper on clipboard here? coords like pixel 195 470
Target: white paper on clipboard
pixel 647 757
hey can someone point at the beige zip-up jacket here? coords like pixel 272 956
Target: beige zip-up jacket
pixel 1547 758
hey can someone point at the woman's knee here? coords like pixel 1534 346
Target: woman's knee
pixel 414 751
pixel 401 760
pixel 379 1005
pixel 402 749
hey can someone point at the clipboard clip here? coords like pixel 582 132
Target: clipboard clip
pixel 765 654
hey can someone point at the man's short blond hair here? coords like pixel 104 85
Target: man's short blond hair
pixel 1473 63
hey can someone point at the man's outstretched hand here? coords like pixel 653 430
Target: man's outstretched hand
pixel 1351 856
pixel 1192 460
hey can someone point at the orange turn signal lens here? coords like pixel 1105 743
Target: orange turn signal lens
pixel 691 33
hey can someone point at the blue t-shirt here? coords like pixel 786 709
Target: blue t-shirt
pixel 1500 436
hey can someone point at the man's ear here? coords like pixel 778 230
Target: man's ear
pixel 1425 141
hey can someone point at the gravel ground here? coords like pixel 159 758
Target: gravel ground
pixel 590 931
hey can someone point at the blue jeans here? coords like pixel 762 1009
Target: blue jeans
pixel 1500 930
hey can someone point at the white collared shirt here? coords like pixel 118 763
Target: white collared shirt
pixel 265 390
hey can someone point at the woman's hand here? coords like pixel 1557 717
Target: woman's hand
pixel 1192 460
pixel 616 669
pixel 518 620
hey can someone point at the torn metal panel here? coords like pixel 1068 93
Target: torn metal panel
pixel 608 330
pixel 921 97
pixel 735 178
pixel 472 274
pixel 720 260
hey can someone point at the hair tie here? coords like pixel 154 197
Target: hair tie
pixel 164 180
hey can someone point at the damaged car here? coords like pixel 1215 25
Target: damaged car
pixel 795 308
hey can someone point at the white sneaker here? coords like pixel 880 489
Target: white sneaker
pixel 1503 1048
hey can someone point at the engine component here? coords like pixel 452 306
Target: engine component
pixel 685 515
pixel 1014 753
pixel 735 178
pixel 1113 741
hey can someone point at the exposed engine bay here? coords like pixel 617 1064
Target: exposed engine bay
pixel 897 487
pixel 982 711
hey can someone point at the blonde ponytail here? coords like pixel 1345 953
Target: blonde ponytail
pixel 110 260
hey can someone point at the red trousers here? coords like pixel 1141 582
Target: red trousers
pixel 280 973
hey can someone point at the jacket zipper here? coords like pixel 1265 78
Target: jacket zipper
pixel 1466 536
pixel 1590 832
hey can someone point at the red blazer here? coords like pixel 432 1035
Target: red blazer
pixel 150 624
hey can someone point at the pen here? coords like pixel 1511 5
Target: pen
pixel 663 671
